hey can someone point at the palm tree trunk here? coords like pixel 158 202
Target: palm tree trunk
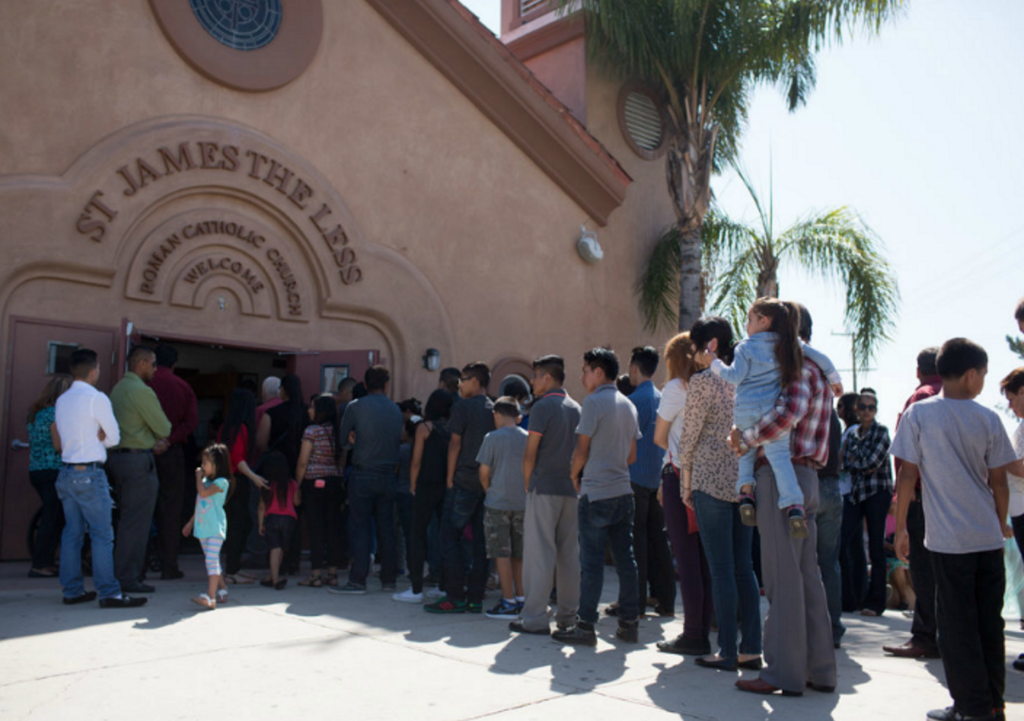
pixel 688 166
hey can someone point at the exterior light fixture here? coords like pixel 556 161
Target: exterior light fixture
pixel 432 359
pixel 588 247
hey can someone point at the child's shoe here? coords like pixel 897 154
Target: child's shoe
pixel 205 601
pixel 505 610
pixel 222 596
pixel 748 510
pixel 797 522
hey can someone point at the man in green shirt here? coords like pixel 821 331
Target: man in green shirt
pixel 132 468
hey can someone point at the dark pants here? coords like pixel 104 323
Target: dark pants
pixel 51 518
pixel 236 509
pixel 923 577
pixel 691 564
pixel 969 591
pixel 1018 533
pixel 371 498
pixel 427 504
pixel 403 523
pixel 853 562
pixel 170 471
pixel 133 475
pixel 650 546
pixel 873 508
pixel 608 522
pixel 323 516
pixel 464 507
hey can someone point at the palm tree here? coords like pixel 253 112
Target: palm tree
pixel 705 57
pixel 743 264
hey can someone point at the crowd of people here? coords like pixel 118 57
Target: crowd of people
pixel 737 479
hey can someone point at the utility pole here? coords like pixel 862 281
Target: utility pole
pixel 853 358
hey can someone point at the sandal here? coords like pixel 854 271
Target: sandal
pixel 281 583
pixel 312 582
pixel 205 601
pixel 222 596
pixel 239 579
pixel 332 579
pixel 869 612
pixel 267 583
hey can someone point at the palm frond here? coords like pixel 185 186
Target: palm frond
pixel 839 246
pixel 735 290
pixel 658 287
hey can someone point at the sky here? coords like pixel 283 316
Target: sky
pixel 916 129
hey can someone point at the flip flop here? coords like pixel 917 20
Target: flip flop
pixel 314 582
pixel 234 580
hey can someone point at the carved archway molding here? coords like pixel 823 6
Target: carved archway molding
pixel 103 219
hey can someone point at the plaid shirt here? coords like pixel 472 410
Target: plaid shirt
pixel 866 457
pixel 805 408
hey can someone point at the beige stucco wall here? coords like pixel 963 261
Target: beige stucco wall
pixel 421 171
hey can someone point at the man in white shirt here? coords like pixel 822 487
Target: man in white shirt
pixel 87 427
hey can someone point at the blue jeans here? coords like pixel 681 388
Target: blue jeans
pixel 777 454
pixel 87 506
pixel 371 497
pixel 463 507
pixel 830 524
pixel 601 522
pixel 727 545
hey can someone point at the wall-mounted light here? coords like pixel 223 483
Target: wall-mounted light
pixel 432 359
pixel 588 247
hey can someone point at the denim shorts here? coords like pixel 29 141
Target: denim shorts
pixel 503 531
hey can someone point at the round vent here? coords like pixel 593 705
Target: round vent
pixel 642 121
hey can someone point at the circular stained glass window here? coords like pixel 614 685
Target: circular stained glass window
pixel 239 24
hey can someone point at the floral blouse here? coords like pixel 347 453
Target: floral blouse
pixel 703 449
pixel 42 456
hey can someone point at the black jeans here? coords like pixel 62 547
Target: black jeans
pixel 969 591
pixel 427 504
pixel 371 498
pixel 323 516
pixel 650 546
pixel 236 509
pixel 874 508
pixel 923 578
pixel 403 524
pixel 170 470
pixel 51 519
pixel 464 507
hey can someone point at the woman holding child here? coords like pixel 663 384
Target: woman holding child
pixel 709 471
pixel 691 564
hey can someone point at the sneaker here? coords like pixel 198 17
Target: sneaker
pixel 349 589
pixel 748 511
pixel 446 606
pixel 504 609
pixel 952 713
pixel 434 592
pixel 407 596
pixel 797 522
pixel 582 634
pixel 475 606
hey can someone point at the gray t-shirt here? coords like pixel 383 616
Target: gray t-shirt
pixel 472 419
pixel 502 450
pixel 378 425
pixel 610 420
pixel 954 443
pixel 554 418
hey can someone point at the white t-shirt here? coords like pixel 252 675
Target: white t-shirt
pixel 1016 482
pixel 673 400
pixel 81 413
pixel 955 443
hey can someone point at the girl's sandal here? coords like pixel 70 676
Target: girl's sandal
pixel 205 601
pixel 312 582
pixel 222 596
pixel 332 579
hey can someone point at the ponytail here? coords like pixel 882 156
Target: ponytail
pixel 785 323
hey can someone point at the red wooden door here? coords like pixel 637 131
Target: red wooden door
pixel 36 348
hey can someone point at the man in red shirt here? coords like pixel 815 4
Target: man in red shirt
pixel 178 401
pixel 922 643
pixel 798 645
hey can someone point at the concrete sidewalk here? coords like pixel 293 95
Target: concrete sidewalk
pixel 303 651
